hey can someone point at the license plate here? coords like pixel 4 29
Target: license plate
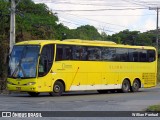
pixel 18 88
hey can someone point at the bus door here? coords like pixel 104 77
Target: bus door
pixel 45 68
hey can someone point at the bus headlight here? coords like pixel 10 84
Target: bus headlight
pixel 31 83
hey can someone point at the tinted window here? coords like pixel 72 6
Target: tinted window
pixel 64 52
pixel 74 52
pixel 133 55
pixel 94 53
pixel 59 53
pixel 109 54
pixel 151 55
pixel 143 56
pixel 84 53
pixel 121 54
pixel 46 60
pixel 67 52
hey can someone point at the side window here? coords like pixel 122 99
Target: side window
pixel 67 52
pixel 76 53
pixel 108 54
pixel 84 53
pixel 71 52
pixel 94 53
pixel 63 52
pixel 98 53
pixel 121 54
pixel 133 55
pixel 59 53
pixel 79 53
pixel 143 55
pixel 46 60
pixel 151 55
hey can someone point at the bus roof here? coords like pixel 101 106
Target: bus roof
pixel 91 41
pixel 81 42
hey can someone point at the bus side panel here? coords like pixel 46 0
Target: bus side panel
pixel 94 75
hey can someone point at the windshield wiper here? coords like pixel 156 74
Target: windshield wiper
pixel 19 67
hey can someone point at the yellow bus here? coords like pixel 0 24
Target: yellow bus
pixel 55 66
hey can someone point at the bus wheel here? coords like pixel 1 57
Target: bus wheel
pixel 136 85
pixel 33 94
pixel 125 86
pixel 58 89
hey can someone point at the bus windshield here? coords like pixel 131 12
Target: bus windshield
pixel 23 61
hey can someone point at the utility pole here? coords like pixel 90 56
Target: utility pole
pixel 12 25
pixel 157 38
pixel 157 28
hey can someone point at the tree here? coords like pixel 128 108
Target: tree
pixel 35 21
pixel 104 36
pixel 4 36
pixel 87 32
pixel 62 32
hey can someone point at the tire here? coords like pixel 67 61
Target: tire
pixel 125 86
pixel 135 87
pixel 33 94
pixel 58 89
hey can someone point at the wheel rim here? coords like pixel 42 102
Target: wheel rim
pixel 136 85
pixel 57 88
pixel 125 86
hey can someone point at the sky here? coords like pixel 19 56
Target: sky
pixel 110 16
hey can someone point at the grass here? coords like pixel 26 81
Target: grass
pixel 153 108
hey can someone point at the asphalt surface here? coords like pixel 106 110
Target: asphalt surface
pixel 82 101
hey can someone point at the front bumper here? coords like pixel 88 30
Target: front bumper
pixel 19 88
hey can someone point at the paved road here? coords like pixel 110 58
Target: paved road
pixel 82 101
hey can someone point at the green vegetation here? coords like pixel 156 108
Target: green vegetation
pixel 36 21
pixel 153 108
